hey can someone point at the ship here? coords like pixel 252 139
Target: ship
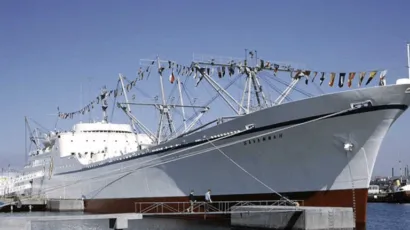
pixel 320 150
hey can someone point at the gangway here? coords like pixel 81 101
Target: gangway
pixel 216 207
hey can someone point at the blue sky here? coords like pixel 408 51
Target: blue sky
pixel 51 51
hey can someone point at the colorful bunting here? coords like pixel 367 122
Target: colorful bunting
pixel 172 78
pixel 332 79
pixel 351 77
pixel 322 78
pixel 382 80
pixel 341 79
pixel 371 76
pixel 362 74
pixel 314 75
pixel 230 70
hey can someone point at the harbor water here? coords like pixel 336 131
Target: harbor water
pixel 379 216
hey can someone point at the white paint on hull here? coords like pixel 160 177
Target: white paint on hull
pixel 309 157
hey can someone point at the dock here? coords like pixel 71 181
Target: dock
pixel 282 217
pixel 274 214
pixel 40 204
pixel 266 214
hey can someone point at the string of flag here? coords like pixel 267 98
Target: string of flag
pixel 142 73
pixel 342 77
pixel 230 69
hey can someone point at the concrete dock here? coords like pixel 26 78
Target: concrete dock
pixel 65 205
pixel 18 205
pixel 285 217
pixel 116 221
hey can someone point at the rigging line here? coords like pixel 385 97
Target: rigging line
pixel 42 127
pixel 301 91
pixel 115 99
pixel 55 124
pixel 215 97
pixel 110 173
pixel 276 89
pixel 287 84
pixel 191 103
pixel 138 89
pixel 318 88
pixel 295 87
pixel 244 170
pixel 171 93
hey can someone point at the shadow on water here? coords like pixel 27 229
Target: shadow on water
pixel 379 216
pixel 145 224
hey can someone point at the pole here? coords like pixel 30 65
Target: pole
pixel 408 58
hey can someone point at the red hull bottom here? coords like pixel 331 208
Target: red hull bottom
pixel 336 198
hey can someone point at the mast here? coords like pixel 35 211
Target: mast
pixel 252 82
pixel 163 108
pixel 126 99
pixel 182 101
pixel 81 101
pixel 408 57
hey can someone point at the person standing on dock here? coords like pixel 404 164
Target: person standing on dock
pixel 191 201
pixel 207 200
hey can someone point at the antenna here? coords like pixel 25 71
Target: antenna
pixel 81 100
pixel 88 96
pixel 408 57
pixel 407 79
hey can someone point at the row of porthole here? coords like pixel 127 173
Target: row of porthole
pixel 258 140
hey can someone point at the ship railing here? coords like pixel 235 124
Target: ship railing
pixel 216 207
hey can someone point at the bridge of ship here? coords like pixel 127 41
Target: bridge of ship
pixel 216 207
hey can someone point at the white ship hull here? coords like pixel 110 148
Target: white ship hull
pixel 304 158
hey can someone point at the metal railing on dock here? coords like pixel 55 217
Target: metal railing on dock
pixel 216 207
